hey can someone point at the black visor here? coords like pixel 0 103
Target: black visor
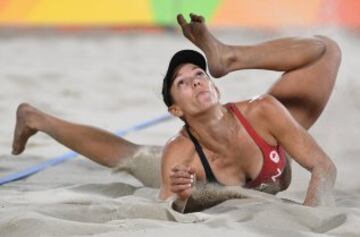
pixel 181 57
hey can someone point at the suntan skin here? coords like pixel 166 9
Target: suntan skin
pixel 281 116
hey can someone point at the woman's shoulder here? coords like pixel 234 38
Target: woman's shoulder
pixel 178 146
pixel 258 111
pixel 257 105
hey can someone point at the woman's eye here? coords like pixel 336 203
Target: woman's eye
pixel 200 73
pixel 181 82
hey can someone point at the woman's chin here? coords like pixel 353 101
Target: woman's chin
pixel 207 104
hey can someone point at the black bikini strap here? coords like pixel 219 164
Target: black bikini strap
pixel 209 174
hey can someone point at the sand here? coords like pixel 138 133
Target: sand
pixel 112 81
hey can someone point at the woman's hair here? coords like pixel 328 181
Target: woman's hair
pixel 167 97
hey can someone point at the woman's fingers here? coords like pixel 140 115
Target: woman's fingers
pixel 196 18
pixel 191 170
pixel 182 170
pixel 181 174
pixel 180 188
pixel 182 178
pixel 179 181
pixel 181 20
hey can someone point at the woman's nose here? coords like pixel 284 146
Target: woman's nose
pixel 196 82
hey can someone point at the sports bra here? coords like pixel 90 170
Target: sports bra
pixel 274 160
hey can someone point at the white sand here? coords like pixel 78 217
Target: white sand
pixel 113 81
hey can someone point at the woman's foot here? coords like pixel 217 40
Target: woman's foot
pixel 22 129
pixel 219 55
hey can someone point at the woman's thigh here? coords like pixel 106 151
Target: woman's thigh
pixel 306 90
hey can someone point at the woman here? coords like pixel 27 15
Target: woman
pixel 241 143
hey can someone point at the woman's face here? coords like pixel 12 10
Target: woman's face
pixel 192 91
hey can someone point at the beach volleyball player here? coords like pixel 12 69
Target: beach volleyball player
pixel 244 143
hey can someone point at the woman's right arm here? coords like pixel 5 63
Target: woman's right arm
pixel 177 177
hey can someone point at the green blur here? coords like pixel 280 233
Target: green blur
pixel 165 11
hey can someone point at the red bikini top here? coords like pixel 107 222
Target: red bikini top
pixel 274 160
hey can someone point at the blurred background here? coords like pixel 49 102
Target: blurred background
pixel 102 63
pixel 264 14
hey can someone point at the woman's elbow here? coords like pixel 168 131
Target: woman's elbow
pixel 328 169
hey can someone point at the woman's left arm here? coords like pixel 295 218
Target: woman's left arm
pixel 304 150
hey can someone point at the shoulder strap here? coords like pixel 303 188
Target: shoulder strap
pixel 255 136
pixel 209 174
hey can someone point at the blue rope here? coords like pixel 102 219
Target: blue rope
pixel 71 154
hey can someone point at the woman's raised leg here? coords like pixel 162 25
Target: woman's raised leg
pixel 306 90
pixel 310 66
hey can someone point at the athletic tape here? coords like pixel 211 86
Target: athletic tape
pixel 71 154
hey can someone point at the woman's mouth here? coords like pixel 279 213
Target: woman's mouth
pixel 201 93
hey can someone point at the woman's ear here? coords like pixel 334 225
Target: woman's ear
pixel 176 111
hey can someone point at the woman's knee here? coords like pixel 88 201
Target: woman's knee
pixel 332 48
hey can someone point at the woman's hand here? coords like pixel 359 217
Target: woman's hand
pixel 182 180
